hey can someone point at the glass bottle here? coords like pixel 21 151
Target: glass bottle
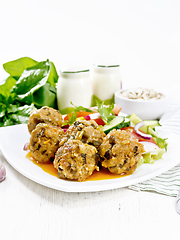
pixel 106 80
pixel 73 86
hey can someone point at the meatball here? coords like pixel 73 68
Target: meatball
pixel 86 131
pixel 44 142
pixel 44 115
pixel 120 152
pixel 75 160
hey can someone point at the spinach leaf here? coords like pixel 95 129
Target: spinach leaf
pixel 30 84
pixel 14 114
pixel 2 110
pixel 15 68
pixel 19 114
pixel 45 96
pixel 5 97
pixel 5 89
pixel 53 76
pixel 34 79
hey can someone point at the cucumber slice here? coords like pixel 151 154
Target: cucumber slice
pixel 152 123
pixel 152 132
pixel 135 119
pixel 117 123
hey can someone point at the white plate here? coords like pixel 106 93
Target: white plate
pixel 13 138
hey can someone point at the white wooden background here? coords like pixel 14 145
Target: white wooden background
pixel 144 37
pixel 31 211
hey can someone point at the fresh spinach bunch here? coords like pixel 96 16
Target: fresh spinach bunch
pixel 30 84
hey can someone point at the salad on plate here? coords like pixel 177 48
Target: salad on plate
pixel 91 139
pixel 83 141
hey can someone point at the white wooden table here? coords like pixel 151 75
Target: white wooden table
pixel 31 211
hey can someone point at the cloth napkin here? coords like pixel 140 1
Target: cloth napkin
pixel 167 183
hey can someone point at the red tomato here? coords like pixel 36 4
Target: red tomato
pixel 66 118
pixel 137 136
pixel 99 121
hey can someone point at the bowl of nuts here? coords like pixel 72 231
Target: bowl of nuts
pixel 145 103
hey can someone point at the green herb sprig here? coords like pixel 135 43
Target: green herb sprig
pixel 106 112
pixel 73 115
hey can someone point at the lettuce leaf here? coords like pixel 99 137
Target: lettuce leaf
pixel 151 157
pixel 161 142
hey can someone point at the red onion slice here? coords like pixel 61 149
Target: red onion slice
pixel 87 117
pixel 150 147
pixel 25 148
pixel 144 135
pixel 2 172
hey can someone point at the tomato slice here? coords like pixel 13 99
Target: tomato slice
pixel 137 136
pixel 99 121
pixel 66 118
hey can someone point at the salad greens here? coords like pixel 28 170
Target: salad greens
pixel 106 112
pixel 161 142
pixel 151 157
pixel 15 68
pixel 73 115
pixel 30 84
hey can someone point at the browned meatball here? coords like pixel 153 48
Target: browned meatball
pixel 75 160
pixel 44 142
pixel 44 115
pixel 86 131
pixel 120 152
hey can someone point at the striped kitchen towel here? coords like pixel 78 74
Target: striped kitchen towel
pixel 167 183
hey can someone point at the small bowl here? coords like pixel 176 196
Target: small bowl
pixel 151 109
